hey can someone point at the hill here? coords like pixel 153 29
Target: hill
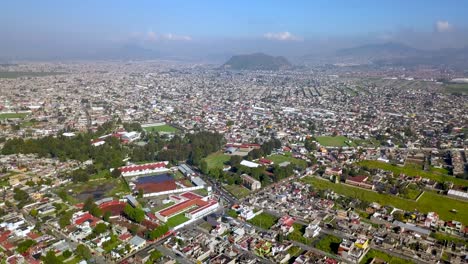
pixel 256 61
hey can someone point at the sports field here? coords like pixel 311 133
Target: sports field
pixel 162 128
pixel 277 159
pixel 217 160
pixel 12 115
pixel 330 141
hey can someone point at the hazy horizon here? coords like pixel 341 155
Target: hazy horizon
pixel 210 29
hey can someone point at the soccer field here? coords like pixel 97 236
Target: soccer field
pixel 162 128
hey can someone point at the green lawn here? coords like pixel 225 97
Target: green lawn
pixel 295 251
pixel 12 115
pixel 177 220
pixel 162 128
pixel 328 244
pixel 413 171
pixel 264 220
pixel 429 201
pixel 298 235
pixel 384 256
pixel 238 191
pixel 277 159
pixel 162 206
pixel 457 88
pixel 330 141
pixel 217 160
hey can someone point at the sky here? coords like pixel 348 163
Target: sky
pixel 59 28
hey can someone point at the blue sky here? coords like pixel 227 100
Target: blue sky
pixel 99 23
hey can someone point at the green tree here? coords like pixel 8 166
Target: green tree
pixel 83 251
pixel 100 228
pixel 51 258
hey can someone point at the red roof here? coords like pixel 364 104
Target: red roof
pixel 265 161
pixel 87 217
pixel 114 207
pixel 361 178
pixel 190 195
pixel 150 166
pixel 4 236
pixel 125 237
pixel 181 207
pixel 157 187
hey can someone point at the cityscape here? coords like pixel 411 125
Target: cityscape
pixel 270 151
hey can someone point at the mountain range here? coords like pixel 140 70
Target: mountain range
pixel 256 61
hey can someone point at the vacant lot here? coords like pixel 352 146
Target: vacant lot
pixel 413 171
pixel 162 128
pixel 329 244
pixel 264 220
pixel 329 141
pixel 384 256
pixel 429 201
pixel 238 191
pixel 217 160
pixel 277 159
pixel 12 115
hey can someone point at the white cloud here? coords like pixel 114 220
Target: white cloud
pixel 151 36
pixel 170 36
pixel 282 36
pixel 443 26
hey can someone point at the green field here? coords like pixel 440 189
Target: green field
pixel 217 160
pixel 298 235
pixel 177 220
pixel 162 128
pixel 413 171
pixel 429 201
pixel 18 74
pixel 12 115
pixel 264 220
pixel 330 141
pixel 383 256
pixel 457 88
pixel 328 244
pixel 238 191
pixel 277 159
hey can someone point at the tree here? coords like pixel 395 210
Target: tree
pixel 106 216
pixel 20 195
pixel 51 258
pixel 100 228
pixel 204 167
pixel 33 212
pixel 65 219
pixel 116 173
pixel 158 232
pixel 83 251
pixel 66 254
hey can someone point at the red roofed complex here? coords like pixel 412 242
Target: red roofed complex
pixel 360 181
pixel 156 187
pixel 192 204
pixel 148 168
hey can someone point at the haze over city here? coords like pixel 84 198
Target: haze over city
pixel 234 132
pixel 212 29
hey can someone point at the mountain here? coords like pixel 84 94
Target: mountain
pixel 256 61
